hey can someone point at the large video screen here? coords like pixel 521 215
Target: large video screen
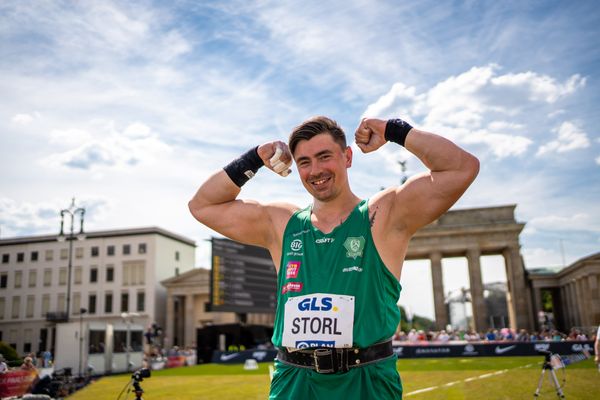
pixel 243 278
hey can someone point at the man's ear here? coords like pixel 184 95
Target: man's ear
pixel 348 156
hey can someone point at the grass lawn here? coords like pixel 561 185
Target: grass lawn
pixel 431 378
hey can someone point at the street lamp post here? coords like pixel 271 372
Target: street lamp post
pixel 72 211
pixel 81 312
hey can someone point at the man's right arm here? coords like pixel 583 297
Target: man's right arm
pixel 216 205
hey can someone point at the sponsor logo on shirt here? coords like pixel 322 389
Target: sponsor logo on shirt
pixel 354 246
pixel 304 344
pixel 300 232
pixel 324 240
pixel 354 268
pixel 292 268
pixel 296 245
pixel 292 287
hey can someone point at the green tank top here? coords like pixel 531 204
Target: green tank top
pixel 343 262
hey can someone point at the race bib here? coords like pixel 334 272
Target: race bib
pixel 318 320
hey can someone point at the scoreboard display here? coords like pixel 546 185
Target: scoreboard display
pixel 243 278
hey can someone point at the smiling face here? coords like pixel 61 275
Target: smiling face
pixel 322 165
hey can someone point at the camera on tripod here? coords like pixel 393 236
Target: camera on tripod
pixel 140 374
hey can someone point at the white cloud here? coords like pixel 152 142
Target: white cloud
pixel 577 222
pixel 540 87
pixel 598 160
pixel 108 148
pixel 22 217
pixel 24 119
pixel 481 106
pixel 569 137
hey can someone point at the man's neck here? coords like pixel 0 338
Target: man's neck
pixel 329 214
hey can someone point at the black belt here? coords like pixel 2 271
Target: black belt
pixel 328 360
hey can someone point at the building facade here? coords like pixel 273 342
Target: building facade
pixel 571 294
pixel 113 272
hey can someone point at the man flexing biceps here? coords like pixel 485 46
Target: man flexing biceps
pixel 339 259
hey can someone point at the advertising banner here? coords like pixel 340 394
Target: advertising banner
pixel 491 349
pixel 17 382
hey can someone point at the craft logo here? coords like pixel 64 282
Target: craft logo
pixel 354 246
pixel 292 269
pixel 296 244
pixel 292 287
pixel 324 240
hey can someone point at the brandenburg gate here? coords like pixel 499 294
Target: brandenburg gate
pixel 473 233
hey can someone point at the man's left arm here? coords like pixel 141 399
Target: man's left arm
pixel 426 196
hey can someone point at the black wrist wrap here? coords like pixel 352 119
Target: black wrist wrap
pixel 244 167
pixel 396 130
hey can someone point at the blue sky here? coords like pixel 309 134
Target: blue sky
pixel 128 106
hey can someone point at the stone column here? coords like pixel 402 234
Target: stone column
pixel 587 302
pixel 564 292
pixel 477 300
pixel 574 303
pixel 518 289
pixel 189 318
pixel 441 313
pixel 580 300
pixel 537 303
pixel 594 297
pixel 170 321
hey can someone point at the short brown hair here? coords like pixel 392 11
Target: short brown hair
pixel 315 126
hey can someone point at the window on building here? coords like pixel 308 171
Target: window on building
pixel 79 252
pixel 47 277
pixel 141 300
pixel 108 303
pixel 3 280
pixel 18 279
pixel 27 339
pixel 32 277
pixel 176 256
pixel 61 304
pixel 126 249
pixel 16 307
pixel 92 304
pixel 62 276
pixel 110 273
pixel 29 306
pixel 76 305
pixel 49 255
pixel 124 302
pixel 5 258
pixel 142 248
pixel 2 306
pixel 64 254
pixel 20 257
pixel 34 256
pixel 77 275
pixel 45 304
pixel 95 251
pixel 133 273
pixel 93 275
pixel 97 345
pixel 110 250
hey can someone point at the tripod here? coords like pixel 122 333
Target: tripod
pixel 547 366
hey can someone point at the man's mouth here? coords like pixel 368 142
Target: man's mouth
pixel 320 181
